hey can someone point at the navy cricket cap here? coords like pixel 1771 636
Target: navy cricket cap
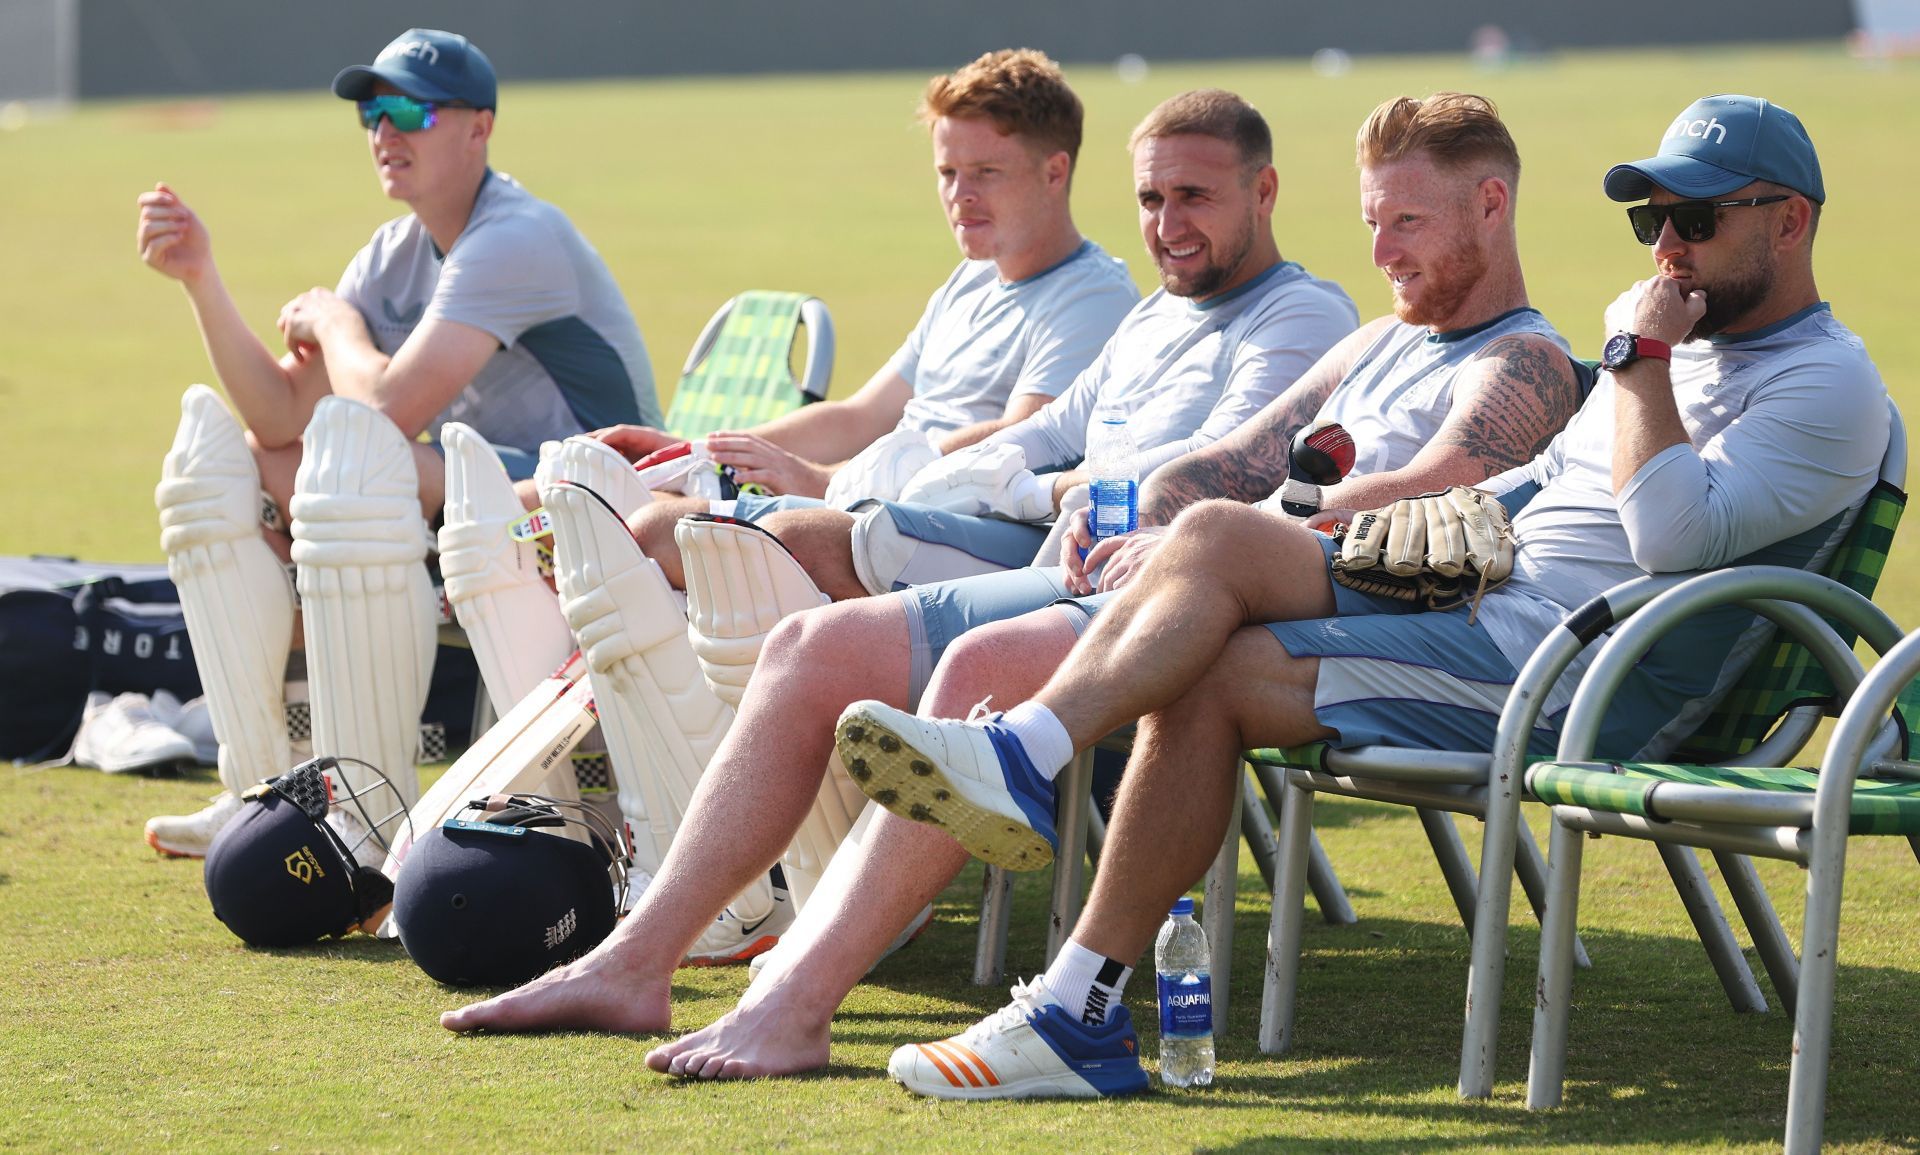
pixel 276 879
pixel 497 904
pixel 426 64
pixel 1719 144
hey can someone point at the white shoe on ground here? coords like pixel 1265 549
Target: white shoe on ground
pixel 192 721
pixel 123 733
pixel 189 835
pixel 1029 1049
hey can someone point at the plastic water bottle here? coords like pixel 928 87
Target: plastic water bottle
pixel 1115 482
pixel 1181 964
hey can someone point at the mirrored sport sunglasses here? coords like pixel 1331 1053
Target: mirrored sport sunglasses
pixel 1694 221
pixel 404 112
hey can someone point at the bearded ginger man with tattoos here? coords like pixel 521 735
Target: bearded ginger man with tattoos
pixel 1463 382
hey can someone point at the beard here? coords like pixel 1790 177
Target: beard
pixel 1735 293
pixel 1450 279
pixel 1219 268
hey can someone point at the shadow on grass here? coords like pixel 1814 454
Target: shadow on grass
pixel 1656 1056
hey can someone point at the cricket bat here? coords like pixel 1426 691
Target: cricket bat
pixel 516 754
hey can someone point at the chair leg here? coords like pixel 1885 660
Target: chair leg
pixel 1756 910
pixel 1553 990
pixel 1451 853
pixel 1073 789
pixel 1532 870
pixel 1487 965
pixel 1913 843
pixel 990 948
pixel 1327 891
pixel 1283 933
pixel 1255 828
pixel 1710 923
pixel 1335 910
pixel 1813 1019
pixel 1216 917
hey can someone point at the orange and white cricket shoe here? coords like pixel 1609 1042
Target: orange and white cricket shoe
pixel 1029 1049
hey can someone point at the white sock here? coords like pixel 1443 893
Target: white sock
pixel 1085 983
pixel 1048 745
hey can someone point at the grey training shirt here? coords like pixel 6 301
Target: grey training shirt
pixel 570 356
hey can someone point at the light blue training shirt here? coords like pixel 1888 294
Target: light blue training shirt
pixel 983 341
pixel 1186 373
pixel 1787 428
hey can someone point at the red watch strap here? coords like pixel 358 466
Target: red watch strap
pixel 1648 347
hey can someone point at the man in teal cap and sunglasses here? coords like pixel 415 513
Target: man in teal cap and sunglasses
pixel 484 306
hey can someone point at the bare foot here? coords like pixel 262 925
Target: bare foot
pixel 596 993
pixel 758 1038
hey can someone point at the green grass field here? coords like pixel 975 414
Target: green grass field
pixel 129 1018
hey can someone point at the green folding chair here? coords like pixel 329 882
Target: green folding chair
pixel 1868 784
pixel 738 373
pixel 1771 712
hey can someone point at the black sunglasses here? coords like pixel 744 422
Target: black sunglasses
pixel 1693 220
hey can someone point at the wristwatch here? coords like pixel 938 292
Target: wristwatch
pixel 1299 498
pixel 1623 349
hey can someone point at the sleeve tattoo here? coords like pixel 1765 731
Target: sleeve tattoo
pixel 1512 416
pixel 1247 465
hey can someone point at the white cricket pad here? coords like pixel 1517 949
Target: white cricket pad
pixel 360 543
pixel 511 619
pixel 661 722
pixel 233 590
pixel 740 582
pixel 593 463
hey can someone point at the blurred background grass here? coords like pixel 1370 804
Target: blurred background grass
pixel 694 190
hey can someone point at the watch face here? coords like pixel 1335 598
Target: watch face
pixel 1618 351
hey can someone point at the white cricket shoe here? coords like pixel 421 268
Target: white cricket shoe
pixel 972 779
pixel 731 939
pixel 1029 1049
pixel 189 835
pixel 123 733
pixel 192 721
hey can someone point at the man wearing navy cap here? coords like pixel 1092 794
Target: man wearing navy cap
pixel 483 305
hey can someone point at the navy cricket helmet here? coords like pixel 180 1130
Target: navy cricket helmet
pixel 280 873
pixel 495 896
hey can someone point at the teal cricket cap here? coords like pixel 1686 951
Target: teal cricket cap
pixel 426 64
pixel 1722 143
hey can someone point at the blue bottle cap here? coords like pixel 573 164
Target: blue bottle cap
pixel 1183 905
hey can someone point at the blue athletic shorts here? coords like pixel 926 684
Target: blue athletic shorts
pixel 1395 673
pixel 940 612
pixel 754 506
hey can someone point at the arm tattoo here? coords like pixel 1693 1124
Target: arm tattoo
pixel 1247 465
pixel 1519 408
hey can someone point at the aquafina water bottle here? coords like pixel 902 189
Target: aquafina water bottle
pixel 1181 966
pixel 1115 483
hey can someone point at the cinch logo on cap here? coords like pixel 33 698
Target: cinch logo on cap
pixel 418 49
pixel 1699 129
